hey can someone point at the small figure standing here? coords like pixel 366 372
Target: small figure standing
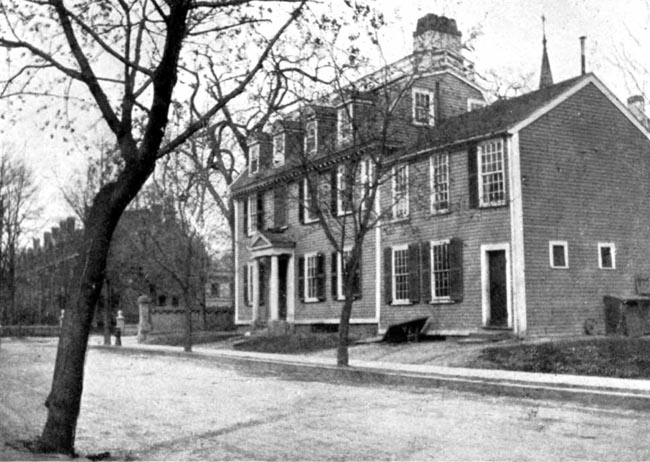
pixel 119 328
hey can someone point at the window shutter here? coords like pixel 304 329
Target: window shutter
pixel 456 269
pixel 260 210
pixel 472 170
pixel 320 274
pixel 245 201
pixel 414 273
pixel 333 266
pixel 261 283
pixel 247 297
pixel 356 284
pixel 280 207
pixel 333 193
pixel 388 275
pixel 426 272
pixel 301 278
pixel 301 201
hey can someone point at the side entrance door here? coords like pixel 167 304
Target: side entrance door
pixel 498 288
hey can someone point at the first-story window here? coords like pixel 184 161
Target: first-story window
pixel 400 191
pixel 340 268
pixel 606 255
pixel 311 277
pixel 559 254
pixel 440 271
pixel 400 281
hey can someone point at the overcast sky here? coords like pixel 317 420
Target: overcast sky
pixel 509 43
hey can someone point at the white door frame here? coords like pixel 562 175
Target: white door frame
pixel 485 280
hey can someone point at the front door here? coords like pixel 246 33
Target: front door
pixel 498 288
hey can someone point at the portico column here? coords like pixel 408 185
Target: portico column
pixel 274 287
pixel 256 289
pixel 291 295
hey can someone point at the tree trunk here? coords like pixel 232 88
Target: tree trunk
pixel 64 399
pixel 107 314
pixel 342 358
pixel 187 343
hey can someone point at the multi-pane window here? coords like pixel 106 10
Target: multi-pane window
pixel 343 197
pixel 492 175
pixel 252 215
pixel 400 191
pixel 311 200
pixel 344 120
pixel 423 107
pixel 254 153
pixel 440 270
pixel 278 150
pixel 310 137
pixel 311 277
pixel 341 269
pixel 606 256
pixel 559 254
pixel 440 183
pixel 366 171
pixel 400 274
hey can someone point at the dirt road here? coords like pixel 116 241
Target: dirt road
pixel 170 408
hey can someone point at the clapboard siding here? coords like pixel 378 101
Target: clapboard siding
pixel 586 179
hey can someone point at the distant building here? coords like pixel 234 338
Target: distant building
pixel 534 207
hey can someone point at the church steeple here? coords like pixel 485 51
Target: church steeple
pixel 545 76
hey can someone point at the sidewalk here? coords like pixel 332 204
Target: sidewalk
pixel 628 393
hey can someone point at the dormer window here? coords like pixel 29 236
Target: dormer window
pixel 423 113
pixel 310 137
pixel 344 124
pixel 278 150
pixel 254 153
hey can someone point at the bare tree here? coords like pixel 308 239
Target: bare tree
pixel 17 206
pixel 129 57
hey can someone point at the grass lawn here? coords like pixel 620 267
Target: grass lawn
pixel 198 337
pixel 290 344
pixel 606 357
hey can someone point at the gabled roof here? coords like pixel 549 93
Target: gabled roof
pixel 496 118
pixel 511 115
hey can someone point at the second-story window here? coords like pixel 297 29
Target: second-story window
pixel 492 186
pixel 423 112
pixel 344 121
pixel 252 215
pixel 366 177
pixel 310 194
pixel 278 150
pixel 343 196
pixel 254 153
pixel 439 183
pixel 400 191
pixel 310 137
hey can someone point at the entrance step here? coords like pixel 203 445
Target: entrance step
pixel 487 336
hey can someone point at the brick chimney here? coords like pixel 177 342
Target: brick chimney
pixel 636 105
pixel 435 33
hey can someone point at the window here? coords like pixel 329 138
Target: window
pixel 343 199
pixel 400 192
pixel 214 289
pixel 280 207
pixel 248 284
pixel 440 271
pixel 559 254
pixel 339 272
pixel 252 215
pixel 606 255
pixel 474 104
pixel 423 107
pixel 400 283
pixel 310 137
pixel 492 177
pixel 344 122
pixel 254 152
pixel 439 183
pixel 278 150
pixel 310 205
pixel 224 290
pixel 311 278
